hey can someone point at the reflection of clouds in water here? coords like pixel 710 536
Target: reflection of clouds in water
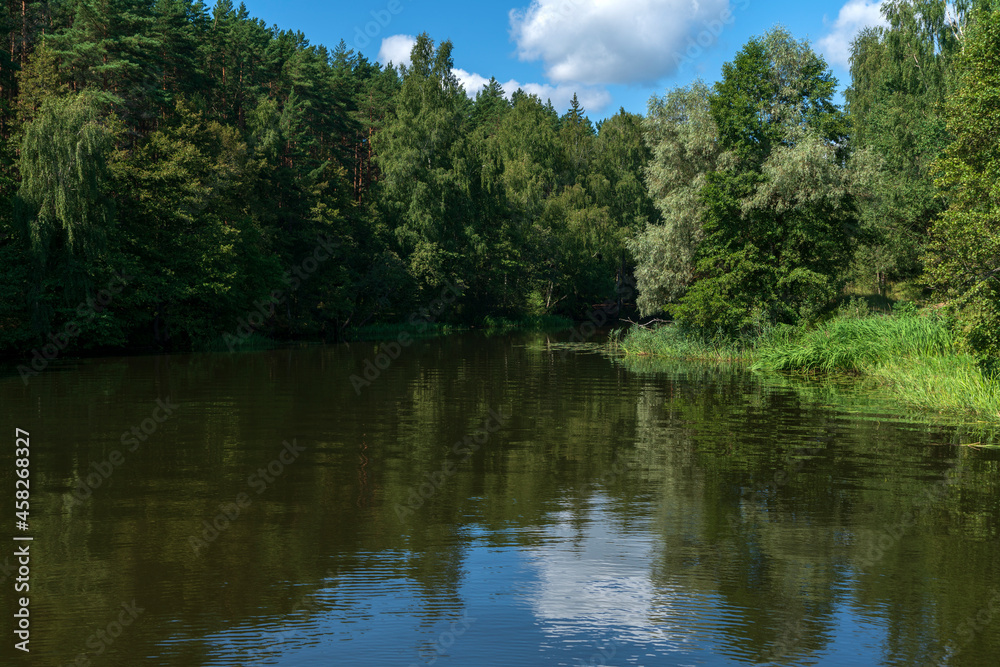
pixel 594 577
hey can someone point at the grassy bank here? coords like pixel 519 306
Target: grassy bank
pixel 914 356
pixel 946 383
pixel 672 342
pixel 858 344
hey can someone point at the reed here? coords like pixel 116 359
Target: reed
pixel 858 344
pixel 674 342
pixel 912 357
pixel 950 383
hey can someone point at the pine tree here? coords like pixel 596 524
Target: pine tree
pixel 577 135
pixel 490 106
pixel 425 177
pixel 109 51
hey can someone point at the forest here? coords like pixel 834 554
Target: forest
pixel 178 177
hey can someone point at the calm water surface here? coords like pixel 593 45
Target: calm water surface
pixel 490 501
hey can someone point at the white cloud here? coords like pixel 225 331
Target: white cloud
pixel 853 16
pixel 471 81
pixel 592 98
pixel 396 49
pixel 617 41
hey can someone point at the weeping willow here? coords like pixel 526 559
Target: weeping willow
pixel 64 173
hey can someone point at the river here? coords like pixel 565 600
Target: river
pixel 477 500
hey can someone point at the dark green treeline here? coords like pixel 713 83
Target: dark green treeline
pixel 172 173
pixel 175 176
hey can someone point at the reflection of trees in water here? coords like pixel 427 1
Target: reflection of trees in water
pixel 701 445
pixel 777 520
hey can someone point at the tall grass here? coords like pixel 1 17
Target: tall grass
pixel 858 344
pixel 947 383
pixel 914 358
pixel 676 343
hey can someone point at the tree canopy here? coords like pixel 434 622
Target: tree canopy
pixel 246 180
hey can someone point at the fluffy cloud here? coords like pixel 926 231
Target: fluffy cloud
pixel 471 81
pixel 853 16
pixel 396 50
pixel 624 41
pixel 592 99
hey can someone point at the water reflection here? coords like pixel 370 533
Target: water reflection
pixel 624 515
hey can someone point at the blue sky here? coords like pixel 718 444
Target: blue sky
pixel 613 53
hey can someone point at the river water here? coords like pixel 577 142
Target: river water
pixel 503 500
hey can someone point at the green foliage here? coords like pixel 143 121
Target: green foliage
pixel 758 206
pixel 962 257
pixel 949 383
pixel 193 244
pixel 210 157
pixel 425 185
pixel 901 77
pixel 63 170
pixel 910 358
pixel 64 207
pixel 683 139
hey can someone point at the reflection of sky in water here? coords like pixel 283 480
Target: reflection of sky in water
pixel 581 595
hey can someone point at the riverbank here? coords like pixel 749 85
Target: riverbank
pixel 913 355
pixel 32 361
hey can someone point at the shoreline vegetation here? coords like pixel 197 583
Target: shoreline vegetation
pixel 154 202
pixel 255 341
pixel 915 355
